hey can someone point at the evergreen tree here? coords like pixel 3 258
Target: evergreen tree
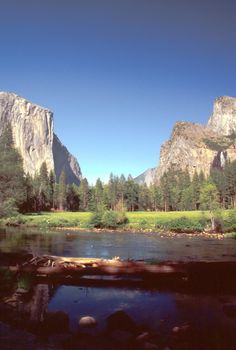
pixel 62 191
pixel 51 188
pixel 98 194
pixel 131 194
pixel 72 197
pixel 196 186
pixel 12 181
pixel 209 196
pixel 84 194
pixel 44 199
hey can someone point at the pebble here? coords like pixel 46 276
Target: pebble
pixel 176 329
pixel 21 291
pixel 142 337
pixel 87 321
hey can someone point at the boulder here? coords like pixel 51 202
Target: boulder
pixel 87 321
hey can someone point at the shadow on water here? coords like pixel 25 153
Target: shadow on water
pixel 122 318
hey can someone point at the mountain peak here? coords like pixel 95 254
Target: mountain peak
pixel 223 119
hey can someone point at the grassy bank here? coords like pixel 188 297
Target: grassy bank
pixel 179 221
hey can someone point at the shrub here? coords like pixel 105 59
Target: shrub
pixel 15 220
pixel 109 219
pixel 96 219
pixel 143 223
pixel 230 221
pixel 183 224
pixel 121 218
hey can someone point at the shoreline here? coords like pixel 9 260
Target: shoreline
pixel 162 233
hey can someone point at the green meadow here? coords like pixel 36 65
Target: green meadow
pixel 178 221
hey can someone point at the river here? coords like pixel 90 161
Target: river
pixel 171 320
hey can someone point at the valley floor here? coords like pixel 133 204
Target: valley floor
pixel 176 221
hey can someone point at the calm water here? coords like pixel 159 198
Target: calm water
pixel 154 310
pixel 148 246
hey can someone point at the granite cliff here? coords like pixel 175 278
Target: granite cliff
pixel 197 147
pixel 33 135
pixel 147 177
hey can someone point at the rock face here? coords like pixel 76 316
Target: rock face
pixel 223 119
pixel 148 177
pixel 64 160
pixel 198 148
pixel 32 128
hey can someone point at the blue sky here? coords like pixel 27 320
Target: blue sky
pixel 118 73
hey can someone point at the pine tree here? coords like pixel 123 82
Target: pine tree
pixel 72 197
pixel 84 194
pixel 44 188
pixel 98 194
pixel 62 191
pixel 12 181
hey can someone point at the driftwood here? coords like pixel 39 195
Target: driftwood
pixel 196 276
pixel 54 265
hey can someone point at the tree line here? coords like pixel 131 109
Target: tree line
pixel 175 190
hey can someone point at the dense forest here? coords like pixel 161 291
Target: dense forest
pixel 176 191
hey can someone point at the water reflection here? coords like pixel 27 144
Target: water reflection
pixel 149 246
pixel 52 308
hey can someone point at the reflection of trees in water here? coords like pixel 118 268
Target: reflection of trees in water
pixel 36 243
pixel 37 305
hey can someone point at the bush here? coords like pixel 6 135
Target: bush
pixel 96 219
pixel 121 218
pixel 108 219
pixel 230 221
pixel 183 224
pixel 143 223
pixel 15 220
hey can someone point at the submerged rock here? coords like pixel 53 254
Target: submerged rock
pixel 121 320
pixel 87 321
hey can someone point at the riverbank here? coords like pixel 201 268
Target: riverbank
pixel 179 221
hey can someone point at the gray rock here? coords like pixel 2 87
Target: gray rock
pixel 121 320
pixel 87 321
pixel 148 177
pixel 63 160
pixel 142 337
pixel 32 128
pixel 188 149
pixel 223 119
pixel 22 291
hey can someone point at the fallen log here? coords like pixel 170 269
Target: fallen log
pixel 195 276
pixel 54 265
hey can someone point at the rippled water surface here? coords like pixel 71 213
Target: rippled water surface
pixel 146 246
pixel 152 310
